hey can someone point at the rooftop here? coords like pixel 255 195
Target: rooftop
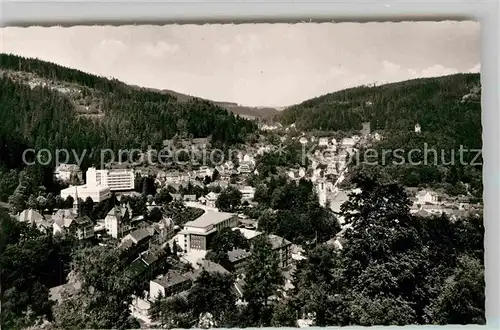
pixel 209 218
pixel 170 279
pixel 138 235
pixel 57 293
pixel 237 254
pixel 277 241
pixel 67 167
pixel 248 233
pixel 206 265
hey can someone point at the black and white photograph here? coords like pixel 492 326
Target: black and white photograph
pixel 241 175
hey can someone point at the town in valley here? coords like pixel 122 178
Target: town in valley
pixel 260 217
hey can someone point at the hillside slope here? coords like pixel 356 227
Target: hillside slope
pixel 260 113
pixel 449 105
pixel 448 110
pixel 45 105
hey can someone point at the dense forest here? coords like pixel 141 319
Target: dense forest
pixel 45 105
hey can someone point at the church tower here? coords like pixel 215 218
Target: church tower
pixel 76 203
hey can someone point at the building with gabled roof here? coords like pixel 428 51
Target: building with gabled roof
pixel 117 221
pixel 35 218
pixel 168 285
pixel 66 221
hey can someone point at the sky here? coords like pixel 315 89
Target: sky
pixel 256 64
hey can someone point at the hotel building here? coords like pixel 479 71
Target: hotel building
pixel 115 179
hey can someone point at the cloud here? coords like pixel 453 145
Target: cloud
pixel 107 51
pixel 224 49
pixel 160 48
pixel 112 43
pixel 391 67
pixel 248 43
pixel 337 70
pixel 436 71
pixel 475 69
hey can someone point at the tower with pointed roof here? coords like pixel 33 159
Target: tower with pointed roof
pixel 76 203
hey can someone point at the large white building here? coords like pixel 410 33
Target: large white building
pixel 196 234
pixel 115 179
pixel 97 193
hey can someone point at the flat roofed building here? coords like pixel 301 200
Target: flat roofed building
pixel 97 193
pixel 115 179
pixel 197 233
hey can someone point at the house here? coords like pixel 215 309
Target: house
pixel 248 158
pixel 117 221
pixel 144 266
pixel 245 167
pixel 66 223
pixel 140 238
pixel 423 214
pixel 323 142
pixel 247 232
pixel 172 177
pixel 200 142
pixel 204 171
pixel 168 285
pixel 36 219
pixel 64 172
pixel 189 198
pixel 348 142
pixel 71 222
pixel 418 128
pixel 279 244
pixel 427 197
pixel 366 130
pixel 211 198
pixel 236 259
pixel 205 266
pixel 283 247
pixel 247 193
pixel 414 208
pixel 432 208
pixel 331 169
pixel 162 232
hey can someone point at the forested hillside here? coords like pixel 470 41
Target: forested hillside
pixel 449 106
pixel 44 105
pixel 448 110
